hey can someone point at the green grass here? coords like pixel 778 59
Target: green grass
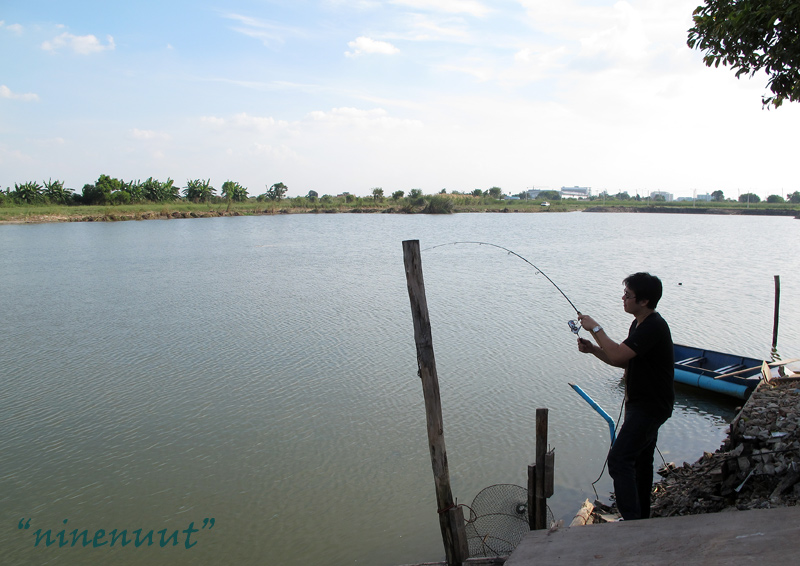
pixel 432 204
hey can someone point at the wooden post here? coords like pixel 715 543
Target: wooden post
pixel 532 496
pixel 775 316
pixel 451 517
pixel 540 499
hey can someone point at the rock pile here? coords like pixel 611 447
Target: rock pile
pixel 757 467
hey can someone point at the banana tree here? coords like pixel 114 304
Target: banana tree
pixel 30 192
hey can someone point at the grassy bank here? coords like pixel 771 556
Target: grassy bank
pixel 11 213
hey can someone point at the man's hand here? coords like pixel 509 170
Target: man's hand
pixel 587 322
pixel 585 346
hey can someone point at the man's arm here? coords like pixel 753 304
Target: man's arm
pixel 607 350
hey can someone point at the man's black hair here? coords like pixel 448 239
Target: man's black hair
pixel 645 286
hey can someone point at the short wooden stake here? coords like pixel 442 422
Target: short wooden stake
pixel 451 517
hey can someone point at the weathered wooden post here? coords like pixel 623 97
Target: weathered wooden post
pixel 776 315
pixel 540 475
pixel 451 517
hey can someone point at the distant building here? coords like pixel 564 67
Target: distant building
pixel 667 196
pixel 707 198
pixel 575 192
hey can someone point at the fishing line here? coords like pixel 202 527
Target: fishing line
pixel 520 257
pixel 574 326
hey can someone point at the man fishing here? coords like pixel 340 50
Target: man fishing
pixel 647 356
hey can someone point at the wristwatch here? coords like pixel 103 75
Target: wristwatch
pixel 597 329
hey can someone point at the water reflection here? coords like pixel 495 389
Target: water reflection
pixel 262 371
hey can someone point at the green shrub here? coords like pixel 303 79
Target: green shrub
pixel 439 205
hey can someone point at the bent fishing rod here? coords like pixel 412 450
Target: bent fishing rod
pixel 574 326
pixel 512 252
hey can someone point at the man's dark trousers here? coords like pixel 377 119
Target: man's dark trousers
pixel 630 462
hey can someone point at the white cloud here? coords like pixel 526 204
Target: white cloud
pixel 366 45
pixel 279 152
pixel 470 7
pixel 15 28
pixel 81 44
pixel 6 92
pixel 213 120
pixel 15 157
pixel 424 28
pixel 245 122
pixel 266 32
pixel 361 118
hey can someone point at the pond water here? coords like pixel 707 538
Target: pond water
pixel 261 372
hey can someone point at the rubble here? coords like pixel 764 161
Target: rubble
pixel 757 467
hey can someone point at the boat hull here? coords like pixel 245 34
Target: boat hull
pixel 711 371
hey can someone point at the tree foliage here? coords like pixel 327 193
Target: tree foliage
pixel 156 191
pixel 199 190
pixel 751 36
pixel 29 192
pixel 234 191
pixel 549 195
pixel 100 192
pixel 55 192
pixel 415 197
pixel 749 198
pixel 276 191
pixel 439 204
pixel 718 196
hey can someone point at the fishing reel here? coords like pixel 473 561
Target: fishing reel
pixel 574 326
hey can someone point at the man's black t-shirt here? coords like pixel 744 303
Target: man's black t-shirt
pixel 650 375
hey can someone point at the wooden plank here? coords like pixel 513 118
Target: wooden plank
pixel 426 362
pixel 549 473
pixel 766 374
pixel 583 515
pixel 756 368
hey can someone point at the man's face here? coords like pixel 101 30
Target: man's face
pixel 629 302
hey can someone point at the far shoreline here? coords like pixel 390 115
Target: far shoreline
pixel 30 215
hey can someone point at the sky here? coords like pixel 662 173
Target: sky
pixel 349 95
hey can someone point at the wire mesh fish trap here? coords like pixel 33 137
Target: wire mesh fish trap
pixel 498 520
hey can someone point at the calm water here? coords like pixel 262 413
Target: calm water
pixel 261 371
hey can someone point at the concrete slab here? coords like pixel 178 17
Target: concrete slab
pixel 763 536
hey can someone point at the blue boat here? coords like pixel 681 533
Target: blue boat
pixel 728 374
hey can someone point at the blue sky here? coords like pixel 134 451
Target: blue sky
pixel 347 95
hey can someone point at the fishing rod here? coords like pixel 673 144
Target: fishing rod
pixel 523 259
pixel 574 326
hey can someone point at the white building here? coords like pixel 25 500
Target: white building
pixel 576 192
